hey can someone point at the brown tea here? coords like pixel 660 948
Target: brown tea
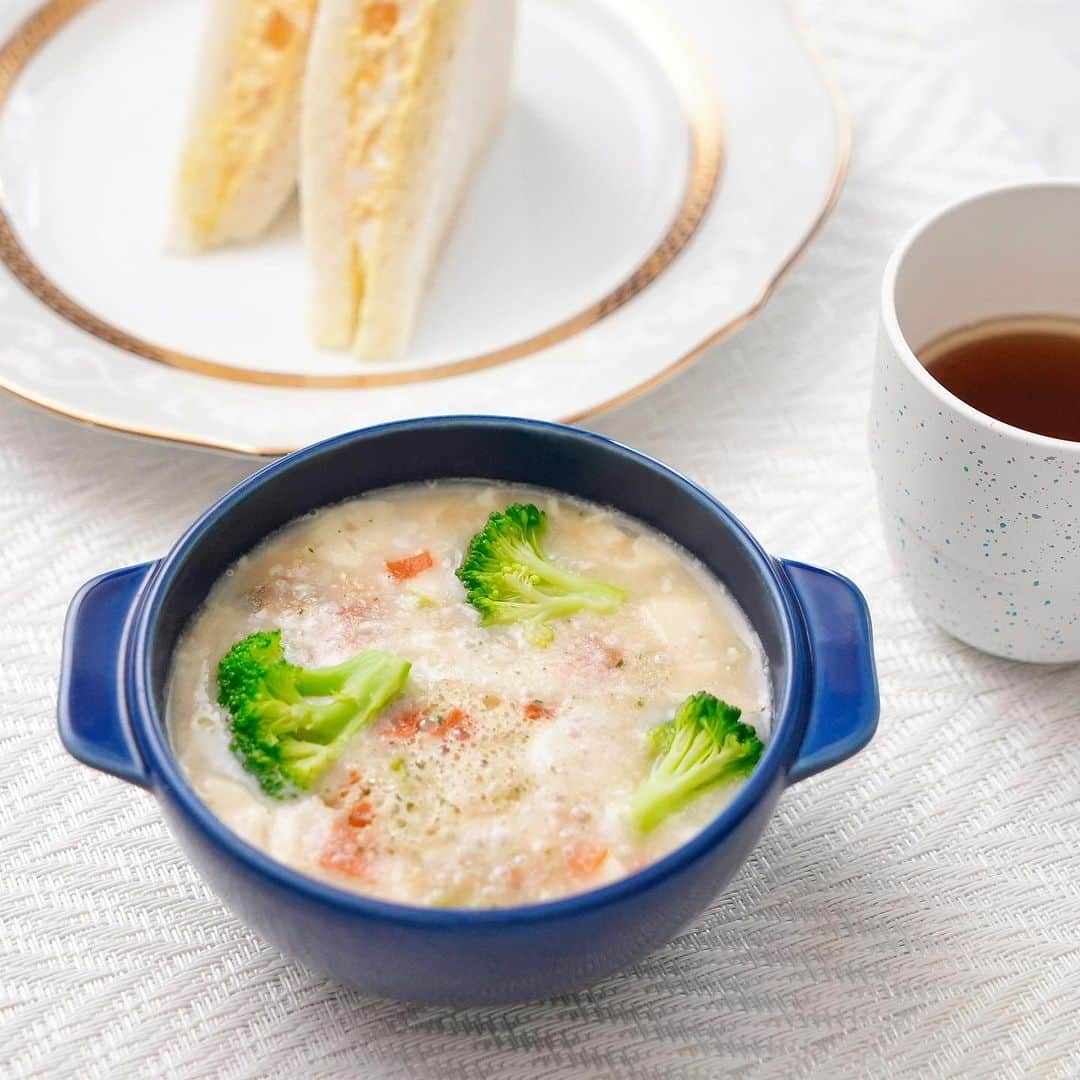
pixel 1024 371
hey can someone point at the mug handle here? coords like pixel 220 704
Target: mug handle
pixel 91 713
pixel 844 702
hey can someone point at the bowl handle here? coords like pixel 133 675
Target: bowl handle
pixel 93 718
pixel 844 705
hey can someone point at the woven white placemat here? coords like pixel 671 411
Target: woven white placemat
pixel 915 912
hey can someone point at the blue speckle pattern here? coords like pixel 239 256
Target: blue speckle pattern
pixel 982 523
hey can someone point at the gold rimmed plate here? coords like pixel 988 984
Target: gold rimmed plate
pixel 617 227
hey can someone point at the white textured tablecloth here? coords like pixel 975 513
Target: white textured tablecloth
pixel 914 912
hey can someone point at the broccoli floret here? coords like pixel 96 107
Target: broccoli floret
pixel 289 723
pixel 704 745
pixel 509 579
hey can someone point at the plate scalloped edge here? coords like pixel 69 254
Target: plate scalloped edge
pixel 733 325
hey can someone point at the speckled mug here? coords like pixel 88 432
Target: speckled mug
pixel 982 518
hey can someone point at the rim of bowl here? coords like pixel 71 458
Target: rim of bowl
pixel 153 742
pixel 900 341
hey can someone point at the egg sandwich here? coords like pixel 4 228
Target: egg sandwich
pixel 400 103
pixel 383 108
pixel 242 154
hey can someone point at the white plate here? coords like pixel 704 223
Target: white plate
pixel 617 229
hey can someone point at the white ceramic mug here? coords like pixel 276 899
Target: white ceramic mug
pixel 982 518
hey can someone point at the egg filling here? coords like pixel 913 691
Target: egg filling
pixel 386 50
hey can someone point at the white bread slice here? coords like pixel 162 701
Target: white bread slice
pixel 242 154
pixel 400 103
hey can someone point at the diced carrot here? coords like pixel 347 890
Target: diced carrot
pixel 455 724
pixel 405 725
pixel 345 851
pixel 537 710
pixel 403 569
pixel 380 18
pixel 361 814
pixel 278 31
pixel 587 858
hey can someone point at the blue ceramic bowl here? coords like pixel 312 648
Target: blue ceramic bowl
pixel 122 629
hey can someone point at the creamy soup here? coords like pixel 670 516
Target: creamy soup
pixel 503 772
